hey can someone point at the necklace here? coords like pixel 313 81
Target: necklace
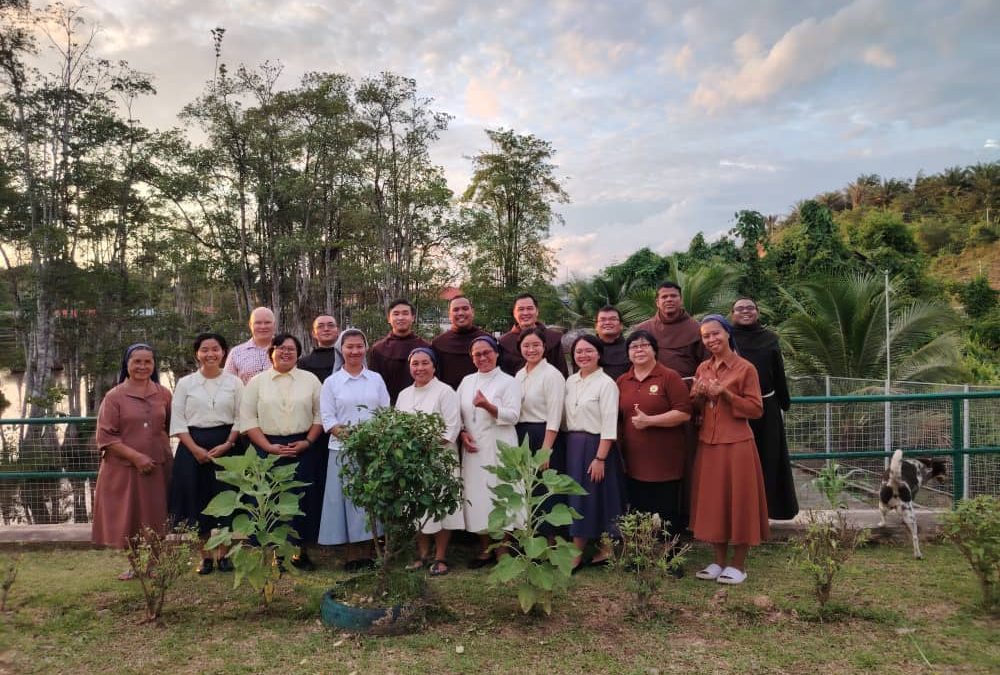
pixel 213 391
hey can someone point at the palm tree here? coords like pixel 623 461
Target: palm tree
pixel 709 288
pixel 837 328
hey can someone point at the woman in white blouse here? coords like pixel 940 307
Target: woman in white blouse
pixel 203 416
pixel 543 389
pixel 430 395
pixel 591 457
pixel 490 402
pixel 350 395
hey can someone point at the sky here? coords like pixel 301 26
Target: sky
pixel 667 116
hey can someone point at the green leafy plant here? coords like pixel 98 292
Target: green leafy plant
pixel 824 549
pixel 647 555
pixel 157 562
pixel 832 482
pixel 539 568
pixel 974 527
pixel 265 504
pixel 8 575
pixel 397 467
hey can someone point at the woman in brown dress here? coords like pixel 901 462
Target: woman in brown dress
pixel 728 502
pixel 134 475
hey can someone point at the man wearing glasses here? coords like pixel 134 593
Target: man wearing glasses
pixel 608 327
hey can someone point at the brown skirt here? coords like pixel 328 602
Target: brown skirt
pixel 728 501
pixel 125 501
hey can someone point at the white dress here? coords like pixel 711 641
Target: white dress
pixel 437 397
pixel 504 392
pixel 346 399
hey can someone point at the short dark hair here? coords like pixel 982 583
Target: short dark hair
pixel 525 296
pixel 201 337
pixel 536 331
pixel 401 301
pixel 609 308
pixel 460 297
pixel 591 340
pixel 642 335
pixel 279 340
pixel 669 284
pixel 742 297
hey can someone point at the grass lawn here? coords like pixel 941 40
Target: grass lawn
pixel 69 614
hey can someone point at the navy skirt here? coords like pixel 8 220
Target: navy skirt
pixel 306 526
pixel 535 433
pixel 194 485
pixel 604 502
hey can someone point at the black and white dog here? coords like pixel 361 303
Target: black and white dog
pixel 900 485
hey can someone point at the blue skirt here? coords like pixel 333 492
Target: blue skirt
pixel 604 502
pixel 535 433
pixel 306 526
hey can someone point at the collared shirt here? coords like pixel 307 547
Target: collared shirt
pixel 679 341
pixel 349 399
pixel 246 360
pixel 139 421
pixel 542 394
pixel 501 390
pixel 511 360
pixel 434 397
pixel 592 404
pixel 726 421
pixel 653 454
pixel 201 401
pixel 280 404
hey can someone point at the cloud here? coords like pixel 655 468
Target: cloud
pixel 991 144
pixel 749 166
pixel 808 50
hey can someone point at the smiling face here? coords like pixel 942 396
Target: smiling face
pixel 140 365
pixel 353 348
pixel 325 330
pixel 640 353
pixel 715 338
pixel 585 356
pixel 401 319
pixel 210 354
pixel 421 368
pixel 460 313
pixel 525 313
pixel 483 356
pixel 285 356
pixel 262 325
pixel 608 326
pixel 532 349
pixel 669 302
pixel 745 313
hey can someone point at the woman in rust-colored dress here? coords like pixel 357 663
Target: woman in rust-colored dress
pixel 134 475
pixel 728 501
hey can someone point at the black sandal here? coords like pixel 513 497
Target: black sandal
pixel 439 568
pixel 207 565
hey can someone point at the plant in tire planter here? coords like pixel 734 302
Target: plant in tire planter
pixel 265 505
pixel 397 468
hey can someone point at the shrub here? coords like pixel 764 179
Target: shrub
pixel 825 548
pixel 832 483
pixel 648 554
pixel 539 569
pixel 8 575
pixel 397 467
pixel 974 527
pixel 157 561
pixel 266 504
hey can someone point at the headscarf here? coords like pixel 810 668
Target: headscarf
pixel 424 350
pixel 350 332
pixel 123 371
pixel 488 339
pixel 725 325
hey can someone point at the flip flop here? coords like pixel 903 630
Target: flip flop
pixel 439 568
pixel 732 576
pixel 418 564
pixel 710 573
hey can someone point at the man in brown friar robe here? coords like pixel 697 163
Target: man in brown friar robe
pixel 679 338
pixel 678 335
pixel 452 346
pixel 389 356
pixel 526 318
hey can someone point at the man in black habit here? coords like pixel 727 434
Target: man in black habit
pixel 760 347
pixel 609 327
pixel 389 356
pixel 324 360
pixel 526 318
pixel 452 346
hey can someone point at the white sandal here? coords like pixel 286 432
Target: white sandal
pixel 731 576
pixel 710 573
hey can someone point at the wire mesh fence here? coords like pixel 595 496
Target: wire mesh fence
pixel 915 425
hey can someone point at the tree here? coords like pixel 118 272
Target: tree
pixel 510 210
pixel 837 328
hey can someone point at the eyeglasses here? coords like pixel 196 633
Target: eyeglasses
pixel 744 309
pixel 482 355
pixel 286 350
pixel 636 346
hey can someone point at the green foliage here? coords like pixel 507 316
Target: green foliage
pixel 824 549
pixel 974 527
pixel 978 298
pixel 264 504
pixel 832 482
pixel 397 467
pixel 540 569
pixel 706 289
pixel 8 575
pixel 157 562
pixel 647 556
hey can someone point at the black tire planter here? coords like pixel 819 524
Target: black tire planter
pixel 358 619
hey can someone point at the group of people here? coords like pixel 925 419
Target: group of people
pixel 679 418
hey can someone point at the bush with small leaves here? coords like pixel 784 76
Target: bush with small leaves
pixel 825 548
pixel 157 562
pixel 974 527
